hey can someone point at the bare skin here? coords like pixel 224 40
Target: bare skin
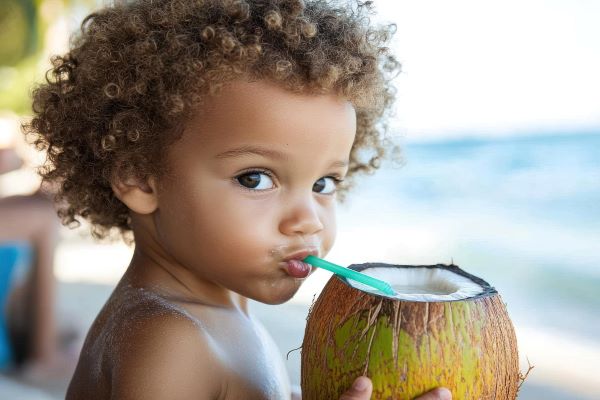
pixel 214 232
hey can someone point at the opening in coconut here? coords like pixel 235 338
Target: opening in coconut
pixel 424 283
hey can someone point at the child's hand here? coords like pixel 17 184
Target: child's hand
pixel 362 388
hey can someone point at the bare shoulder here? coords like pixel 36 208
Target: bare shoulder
pixel 165 355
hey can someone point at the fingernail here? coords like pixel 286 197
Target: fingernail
pixel 444 394
pixel 360 384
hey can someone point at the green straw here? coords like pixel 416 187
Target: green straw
pixel 350 274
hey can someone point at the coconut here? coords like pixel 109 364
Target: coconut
pixel 444 327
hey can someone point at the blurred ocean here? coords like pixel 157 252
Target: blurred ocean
pixel 523 213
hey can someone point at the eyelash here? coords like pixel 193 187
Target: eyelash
pixel 335 178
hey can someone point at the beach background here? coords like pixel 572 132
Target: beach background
pixel 500 174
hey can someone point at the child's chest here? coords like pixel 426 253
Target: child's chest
pixel 252 364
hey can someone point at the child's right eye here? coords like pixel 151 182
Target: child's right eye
pixel 255 180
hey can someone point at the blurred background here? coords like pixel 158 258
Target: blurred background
pixel 498 118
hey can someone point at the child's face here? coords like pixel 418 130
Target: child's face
pixel 231 216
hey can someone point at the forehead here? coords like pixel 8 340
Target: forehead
pixel 261 113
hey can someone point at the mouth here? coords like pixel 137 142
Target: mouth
pixel 301 255
pixel 295 267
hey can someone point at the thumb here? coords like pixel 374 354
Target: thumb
pixel 436 394
pixel 361 390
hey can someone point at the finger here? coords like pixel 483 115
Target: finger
pixel 436 394
pixel 361 390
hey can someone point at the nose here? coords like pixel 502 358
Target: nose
pixel 301 218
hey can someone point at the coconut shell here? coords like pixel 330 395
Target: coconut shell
pixel 408 348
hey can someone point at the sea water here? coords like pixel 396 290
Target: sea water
pixel 522 213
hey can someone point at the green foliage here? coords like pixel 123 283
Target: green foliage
pixel 19 33
pixel 23 27
pixel 20 50
pixel 15 83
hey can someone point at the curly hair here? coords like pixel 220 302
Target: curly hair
pixel 112 105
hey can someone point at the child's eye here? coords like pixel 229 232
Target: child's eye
pixel 255 180
pixel 326 185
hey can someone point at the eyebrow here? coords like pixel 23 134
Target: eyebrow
pixel 252 150
pixel 267 153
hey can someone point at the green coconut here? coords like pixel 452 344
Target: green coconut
pixel 444 327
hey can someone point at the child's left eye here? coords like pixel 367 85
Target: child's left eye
pixel 326 185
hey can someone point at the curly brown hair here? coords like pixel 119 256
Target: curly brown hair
pixel 111 105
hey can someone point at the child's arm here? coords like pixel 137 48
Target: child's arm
pixel 166 357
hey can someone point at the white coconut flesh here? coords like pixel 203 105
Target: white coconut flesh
pixel 421 284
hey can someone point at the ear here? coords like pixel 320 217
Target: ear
pixel 139 196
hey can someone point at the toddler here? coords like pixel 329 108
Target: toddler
pixel 215 135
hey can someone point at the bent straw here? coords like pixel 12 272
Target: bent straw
pixel 350 274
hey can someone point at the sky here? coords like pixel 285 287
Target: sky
pixel 506 67
pixel 483 68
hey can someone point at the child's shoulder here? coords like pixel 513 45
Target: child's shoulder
pixel 165 355
pixel 151 349
pixel 144 345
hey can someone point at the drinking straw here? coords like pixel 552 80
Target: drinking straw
pixel 350 274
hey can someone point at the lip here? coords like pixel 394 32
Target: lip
pixel 301 255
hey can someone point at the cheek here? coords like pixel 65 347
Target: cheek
pixel 244 224
pixel 211 228
pixel 228 223
pixel 329 231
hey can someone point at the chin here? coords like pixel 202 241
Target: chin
pixel 272 302
pixel 280 295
